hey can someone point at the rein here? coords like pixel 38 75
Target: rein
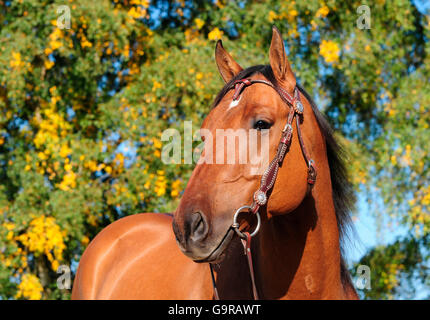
pixel 268 179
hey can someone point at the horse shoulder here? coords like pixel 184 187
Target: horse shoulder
pixel 136 257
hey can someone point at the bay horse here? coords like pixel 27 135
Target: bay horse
pixel 302 202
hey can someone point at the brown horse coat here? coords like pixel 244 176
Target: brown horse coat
pixel 297 252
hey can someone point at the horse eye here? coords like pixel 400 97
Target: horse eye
pixel 261 124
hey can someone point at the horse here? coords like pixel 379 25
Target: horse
pixel 298 219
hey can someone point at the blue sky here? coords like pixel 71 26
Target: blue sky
pixel 372 232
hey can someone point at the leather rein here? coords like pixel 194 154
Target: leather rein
pixel 269 176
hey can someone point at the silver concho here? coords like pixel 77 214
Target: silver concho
pixel 299 107
pixel 260 197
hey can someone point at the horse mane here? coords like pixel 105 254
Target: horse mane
pixel 342 188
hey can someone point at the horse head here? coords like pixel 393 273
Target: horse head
pixel 203 220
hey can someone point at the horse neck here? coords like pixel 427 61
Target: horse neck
pixel 297 255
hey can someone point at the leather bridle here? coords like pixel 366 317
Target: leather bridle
pixel 270 174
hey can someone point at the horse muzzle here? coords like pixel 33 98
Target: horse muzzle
pixel 196 240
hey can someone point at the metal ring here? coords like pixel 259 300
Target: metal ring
pixel 235 224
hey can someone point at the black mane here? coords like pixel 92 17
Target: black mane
pixel 342 189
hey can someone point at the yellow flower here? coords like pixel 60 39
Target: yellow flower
pixel 119 159
pixel 54 45
pixel 215 34
pixel 44 236
pixel 85 43
pixel 293 33
pixel 49 64
pixel 199 23
pixel 42 156
pixel 143 3
pixel 55 264
pixel 160 184
pixel 219 4
pixel 156 85
pixel 322 12
pixel 92 165
pixel 85 240
pixel 69 180
pixel 16 60
pixel 137 12
pixel 9 225
pixel 157 143
pixel 65 151
pixel 30 287
pixel 50 125
pixel 314 25
pixel 176 186
pixel 48 51
pixel 294 13
pixel 272 16
pixel 330 51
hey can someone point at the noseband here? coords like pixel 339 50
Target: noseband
pixel 269 176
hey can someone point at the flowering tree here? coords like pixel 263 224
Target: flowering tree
pixel 82 110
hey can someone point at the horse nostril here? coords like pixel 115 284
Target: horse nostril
pixel 177 232
pixel 198 227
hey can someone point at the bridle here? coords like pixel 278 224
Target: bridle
pixel 268 179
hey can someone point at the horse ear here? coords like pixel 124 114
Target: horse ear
pixel 227 67
pixel 279 62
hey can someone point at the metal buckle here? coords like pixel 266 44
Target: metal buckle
pixel 312 173
pixel 235 224
pixel 287 126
